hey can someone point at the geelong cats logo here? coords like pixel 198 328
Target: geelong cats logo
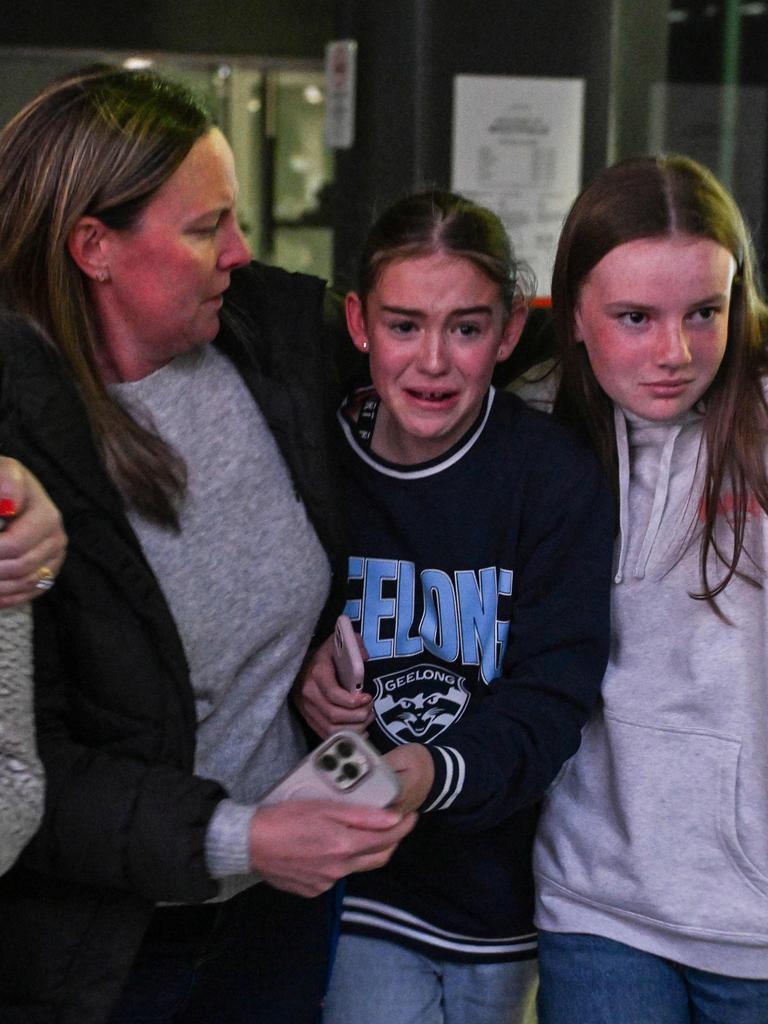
pixel 417 705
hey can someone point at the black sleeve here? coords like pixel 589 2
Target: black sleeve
pixel 505 755
pixel 349 366
pixel 113 705
pixel 120 811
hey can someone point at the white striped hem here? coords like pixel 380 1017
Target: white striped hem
pixel 383 918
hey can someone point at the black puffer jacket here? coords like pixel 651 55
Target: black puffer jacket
pixel 125 817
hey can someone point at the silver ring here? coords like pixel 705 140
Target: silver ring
pixel 45 578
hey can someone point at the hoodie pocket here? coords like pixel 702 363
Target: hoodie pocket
pixel 645 822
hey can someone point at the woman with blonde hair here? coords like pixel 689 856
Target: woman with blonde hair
pixel 194 487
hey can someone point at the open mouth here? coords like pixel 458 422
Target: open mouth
pixel 432 396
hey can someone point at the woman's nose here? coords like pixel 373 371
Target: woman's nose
pixel 236 251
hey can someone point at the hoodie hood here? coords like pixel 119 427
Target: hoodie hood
pixel 654 464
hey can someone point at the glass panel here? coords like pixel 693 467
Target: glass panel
pixel 714 105
pixel 284 168
pixel 303 170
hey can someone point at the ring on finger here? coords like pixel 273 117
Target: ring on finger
pixel 44 578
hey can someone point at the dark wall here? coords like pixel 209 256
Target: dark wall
pixel 410 51
pixel 275 28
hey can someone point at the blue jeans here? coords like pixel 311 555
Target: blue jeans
pixel 258 958
pixel 586 979
pixel 379 982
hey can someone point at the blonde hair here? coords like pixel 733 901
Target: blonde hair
pixel 97 143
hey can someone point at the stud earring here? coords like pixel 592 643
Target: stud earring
pixel 102 275
pixel 364 346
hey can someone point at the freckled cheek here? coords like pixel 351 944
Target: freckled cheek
pixel 613 368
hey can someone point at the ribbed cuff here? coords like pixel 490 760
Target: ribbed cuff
pixel 227 841
pixel 450 772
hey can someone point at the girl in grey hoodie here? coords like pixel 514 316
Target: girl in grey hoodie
pixel 652 856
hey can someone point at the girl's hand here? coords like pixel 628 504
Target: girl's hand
pixel 322 700
pixel 415 771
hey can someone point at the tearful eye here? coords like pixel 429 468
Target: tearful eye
pixel 468 330
pixel 402 327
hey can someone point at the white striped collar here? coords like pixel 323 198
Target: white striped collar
pixel 424 469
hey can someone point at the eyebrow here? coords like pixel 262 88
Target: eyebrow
pixel 463 311
pixel 707 300
pixel 213 211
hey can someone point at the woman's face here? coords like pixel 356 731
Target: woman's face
pixel 435 327
pixel 167 274
pixel 653 315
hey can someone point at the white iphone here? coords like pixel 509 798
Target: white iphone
pixel 343 767
pixel 346 655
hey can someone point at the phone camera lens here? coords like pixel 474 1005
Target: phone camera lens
pixel 345 749
pixel 350 770
pixel 328 763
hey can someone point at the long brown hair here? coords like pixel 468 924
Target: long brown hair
pixel 657 198
pixel 99 143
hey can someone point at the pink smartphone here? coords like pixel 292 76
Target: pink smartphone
pixel 344 767
pixel 346 656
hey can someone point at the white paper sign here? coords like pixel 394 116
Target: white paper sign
pixel 340 88
pixel 517 150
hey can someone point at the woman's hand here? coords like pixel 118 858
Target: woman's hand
pixel 33 545
pixel 306 846
pixel 322 700
pixel 415 772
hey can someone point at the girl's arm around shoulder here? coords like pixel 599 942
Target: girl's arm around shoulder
pixel 504 756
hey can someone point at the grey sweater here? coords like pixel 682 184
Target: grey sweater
pixel 245 621
pixel 21 775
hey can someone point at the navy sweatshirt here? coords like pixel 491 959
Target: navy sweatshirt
pixel 480 585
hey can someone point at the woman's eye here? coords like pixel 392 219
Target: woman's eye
pixel 208 230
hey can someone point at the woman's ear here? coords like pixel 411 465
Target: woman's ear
pixel 356 321
pixel 513 328
pixel 578 327
pixel 89 248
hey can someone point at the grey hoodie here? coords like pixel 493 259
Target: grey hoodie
pixel 655 833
